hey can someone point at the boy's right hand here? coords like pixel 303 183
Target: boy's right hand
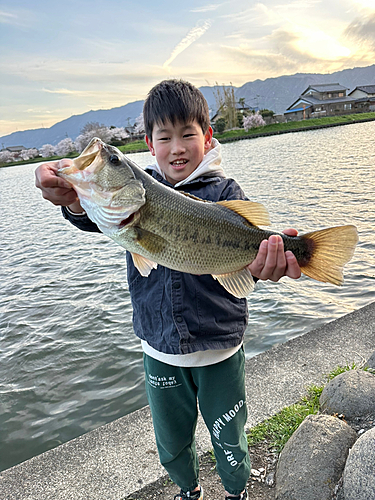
pixel 55 189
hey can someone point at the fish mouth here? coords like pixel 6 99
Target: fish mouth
pixel 85 160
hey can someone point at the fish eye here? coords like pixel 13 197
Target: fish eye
pixel 114 159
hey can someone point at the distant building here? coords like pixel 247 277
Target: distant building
pixel 328 99
pixel 363 91
pixel 365 98
pixel 241 107
pixel 14 149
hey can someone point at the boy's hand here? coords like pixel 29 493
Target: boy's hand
pixel 272 263
pixel 54 188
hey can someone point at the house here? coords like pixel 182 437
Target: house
pixel 14 149
pixel 327 99
pixel 363 91
pixel 365 98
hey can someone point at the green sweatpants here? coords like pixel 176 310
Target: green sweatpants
pixel 220 389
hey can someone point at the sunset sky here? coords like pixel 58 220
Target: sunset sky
pixel 63 58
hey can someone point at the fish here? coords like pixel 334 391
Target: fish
pixel 159 225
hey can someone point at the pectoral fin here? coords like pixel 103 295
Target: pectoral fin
pixel 240 283
pixel 253 212
pixel 151 242
pixel 144 266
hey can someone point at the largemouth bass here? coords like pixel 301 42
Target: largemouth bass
pixel 160 225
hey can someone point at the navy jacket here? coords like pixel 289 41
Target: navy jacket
pixel 179 313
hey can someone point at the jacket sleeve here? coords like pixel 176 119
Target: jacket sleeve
pixel 81 221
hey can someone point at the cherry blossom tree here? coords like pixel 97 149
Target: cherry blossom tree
pixel 83 139
pixel 6 156
pixel 139 125
pixel 28 154
pixel 65 147
pixel 118 133
pixel 47 150
pixel 253 121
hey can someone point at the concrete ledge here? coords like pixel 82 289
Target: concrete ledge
pixel 119 458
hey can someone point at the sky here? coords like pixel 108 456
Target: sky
pixel 59 59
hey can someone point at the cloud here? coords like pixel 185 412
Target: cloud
pixel 193 35
pixel 7 17
pixel 362 30
pixel 207 8
pixel 21 18
pixel 288 52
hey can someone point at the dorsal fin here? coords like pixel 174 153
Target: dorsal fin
pixel 253 212
pixel 194 197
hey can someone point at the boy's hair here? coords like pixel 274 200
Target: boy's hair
pixel 175 101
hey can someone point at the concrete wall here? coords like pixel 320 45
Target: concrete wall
pixel 119 458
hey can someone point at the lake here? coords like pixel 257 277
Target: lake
pixel 69 361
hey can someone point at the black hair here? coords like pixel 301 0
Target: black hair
pixel 175 101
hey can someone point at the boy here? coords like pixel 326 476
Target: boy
pixel 191 329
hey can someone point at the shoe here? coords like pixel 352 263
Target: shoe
pixel 241 496
pixel 197 495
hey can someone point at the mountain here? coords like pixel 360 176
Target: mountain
pixel 276 94
pixel 71 127
pixel 279 93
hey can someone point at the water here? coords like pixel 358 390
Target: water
pixel 69 361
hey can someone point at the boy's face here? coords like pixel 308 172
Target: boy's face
pixel 179 148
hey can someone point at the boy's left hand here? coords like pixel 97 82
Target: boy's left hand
pixel 272 263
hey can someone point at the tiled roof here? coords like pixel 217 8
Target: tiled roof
pixel 312 100
pixel 369 89
pixel 326 87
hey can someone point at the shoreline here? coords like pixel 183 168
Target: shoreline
pixel 238 135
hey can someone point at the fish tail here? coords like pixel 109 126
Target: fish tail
pixel 331 249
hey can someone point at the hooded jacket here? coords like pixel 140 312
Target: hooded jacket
pixel 181 313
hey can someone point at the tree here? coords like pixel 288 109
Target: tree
pixel 267 112
pixel 118 134
pixel 47 150
pixel 139 125
pixel 241 102
pixel 82 140
pixel 6 156
pixel 64 147
pixel 226 104
pixel 220 125
pixel 27 154
pixel 253 121
pixel 90 126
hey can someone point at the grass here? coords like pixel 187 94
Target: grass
pixel 277 429
pixel 139 146
pixel 134 147
pixel 276 128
